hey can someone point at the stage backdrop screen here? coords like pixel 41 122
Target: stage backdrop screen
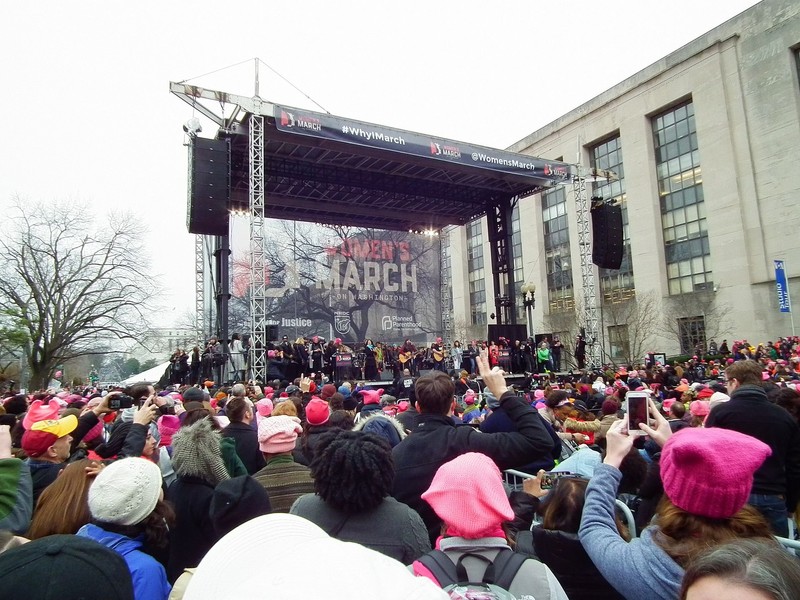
pixel 350 283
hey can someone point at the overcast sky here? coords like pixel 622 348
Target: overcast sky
pixel 88 115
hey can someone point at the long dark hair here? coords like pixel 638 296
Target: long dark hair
pixel 155 526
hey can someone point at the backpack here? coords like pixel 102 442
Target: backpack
pixel 496 579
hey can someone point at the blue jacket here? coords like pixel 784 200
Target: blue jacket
pixel 149 577
pixel 636 569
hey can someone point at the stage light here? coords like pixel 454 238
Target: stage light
pixel 192 127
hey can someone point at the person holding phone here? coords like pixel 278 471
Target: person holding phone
pixel 704 505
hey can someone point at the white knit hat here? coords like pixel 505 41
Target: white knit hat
pixel 301 543
pixel 125 492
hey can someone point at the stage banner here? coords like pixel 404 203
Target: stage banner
pixel 349 283
pixel 329 127
pixel 784 301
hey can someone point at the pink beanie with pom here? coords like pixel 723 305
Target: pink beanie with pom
pixel 468 495
pixel 278 434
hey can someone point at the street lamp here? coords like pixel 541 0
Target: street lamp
pixel 529 302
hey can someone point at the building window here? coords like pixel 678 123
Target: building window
pixel 516 259
pixel 680 190
pixel 619 342
pixel 693 333
pixel 476 274
pixel 616 285
pixel 556 247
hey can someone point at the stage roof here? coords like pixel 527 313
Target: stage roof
pixel 327 169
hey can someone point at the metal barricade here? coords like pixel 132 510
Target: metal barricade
pixel 514 480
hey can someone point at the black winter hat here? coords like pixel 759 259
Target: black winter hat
pixel 64 566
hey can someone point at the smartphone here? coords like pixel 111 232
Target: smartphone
pixel 638 411
pixel 549 479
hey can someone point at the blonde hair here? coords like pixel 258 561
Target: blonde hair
pixel 286 408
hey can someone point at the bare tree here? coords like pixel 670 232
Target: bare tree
pixel 460 329
pixel 70 285
pixel 638 319
pixel 691 319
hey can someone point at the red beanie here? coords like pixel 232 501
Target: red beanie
pixel 701 478
pixel 317 411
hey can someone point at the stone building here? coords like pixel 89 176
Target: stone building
pixel 706 143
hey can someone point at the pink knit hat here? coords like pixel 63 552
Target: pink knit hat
pixel 168 425
pixel 699 475
pixel 538 394
pixel 317 411
pixel 278 434
pixel 264 407
pixel 94 432
pixel 39 411
pixel 468 495
pixel 372 396
pixel 469 397
pixel 699 408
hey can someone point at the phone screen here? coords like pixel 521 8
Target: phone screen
pixel 637 412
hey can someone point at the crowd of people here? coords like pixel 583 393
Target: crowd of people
pixel 323 485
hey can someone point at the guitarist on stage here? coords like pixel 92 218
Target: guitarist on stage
pixel 405 355
pixel 437 353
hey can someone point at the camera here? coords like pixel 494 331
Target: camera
pixel 120 401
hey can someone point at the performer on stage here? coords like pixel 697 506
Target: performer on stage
pixel 300 357
pixel 437 354
pixel 317 353
pixel 330 358
pixel 406 356
pixel 370 361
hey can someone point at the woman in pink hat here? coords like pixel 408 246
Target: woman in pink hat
pixel 468 495
pixel 704 505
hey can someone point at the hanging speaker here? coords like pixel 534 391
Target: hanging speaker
pixel 209 186
pixel 607 243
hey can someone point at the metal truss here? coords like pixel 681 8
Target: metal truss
pixel 199 289
pixel 446 289
pixel 499 221
pixel 258 298
pixel 588 281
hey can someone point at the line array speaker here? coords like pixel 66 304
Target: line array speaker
pixel 209 186
pixel 607 246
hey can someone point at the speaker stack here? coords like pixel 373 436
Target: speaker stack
pixel 209 186
pixel 607 246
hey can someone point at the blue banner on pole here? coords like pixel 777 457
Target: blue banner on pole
pixel 784 302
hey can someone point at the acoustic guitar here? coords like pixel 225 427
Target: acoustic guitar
pixel 438 355
pixel 404 357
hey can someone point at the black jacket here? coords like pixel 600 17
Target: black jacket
pixel 750 412
pixel 568 561
pixel 247 449
pixel 193 534
pixel 436 440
